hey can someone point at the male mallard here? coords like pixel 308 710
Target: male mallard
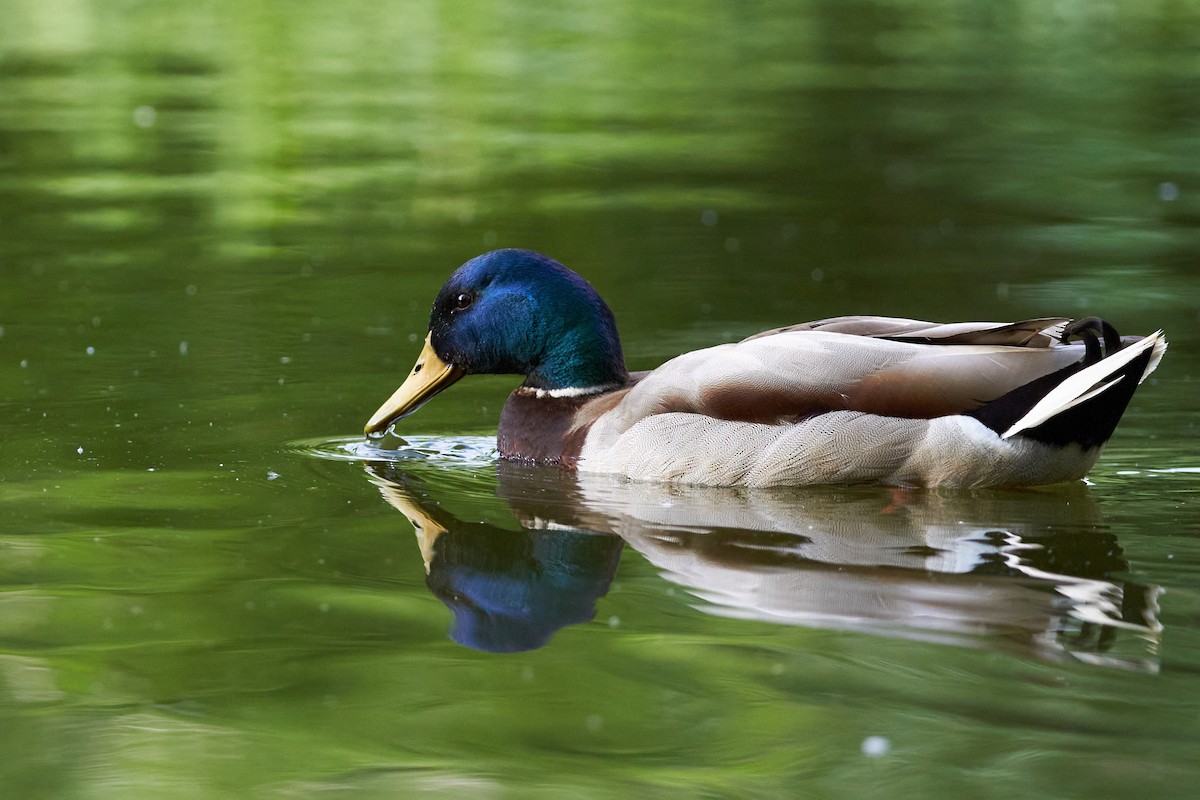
pixel 842 400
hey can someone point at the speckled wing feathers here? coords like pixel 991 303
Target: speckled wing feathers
pixel 796 374
pixel 814 406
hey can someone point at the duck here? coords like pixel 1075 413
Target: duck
pixel 843 400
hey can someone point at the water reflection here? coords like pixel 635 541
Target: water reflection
pixel 1029 572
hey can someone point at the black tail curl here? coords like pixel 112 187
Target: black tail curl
pixel 1088 424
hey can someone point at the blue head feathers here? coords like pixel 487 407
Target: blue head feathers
pixel 517 311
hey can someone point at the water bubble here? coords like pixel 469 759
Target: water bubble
pixel 24 363
pixel 183 348
pixel 191 290
pixel 285 359
pixel 1168 192
pixel 614 621
pixel 709 217
pixel 145 116
pixel 95 322
pixel 79 450
pixel 817 275
pixel 272 474
pixel 91 351
pixel 876 746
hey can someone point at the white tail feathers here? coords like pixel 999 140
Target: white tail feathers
pixel 1090 382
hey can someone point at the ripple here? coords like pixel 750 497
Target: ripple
pixel 440 451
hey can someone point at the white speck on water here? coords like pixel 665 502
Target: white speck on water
pixel 272 474
pixel 817 275
pixel 24 363
pixel 95 322
pixel 183 348
pixel 875 746
pixel 614 621
pixel 136 610
pixel 191 290
pixel 145 116
pixel 281 381
pixel 285 359
pixel 1168 192
pixel 91 351
pixel 79 450
pixel 324 608
pixel 594 723
pixel 527 673
pixel 709 217
pixel 412 337
pixel 149 469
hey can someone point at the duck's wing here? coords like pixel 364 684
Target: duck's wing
pixel 1041 332
pixel 796 373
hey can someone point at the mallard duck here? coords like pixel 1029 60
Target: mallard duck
pixel 842 400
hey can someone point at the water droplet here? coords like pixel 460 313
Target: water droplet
pixel 817 275
pixel 1168 192
pixel 272 474
pixel 24 363
pixel 709 217
pixel 191 290
pixel 79 450
pixel 183 349
pixel 285 359
pixel 875 746
pixel 91 351
pixel 614 621
pixel 95 322
pixel 145 116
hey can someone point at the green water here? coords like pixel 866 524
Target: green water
pixel 222 224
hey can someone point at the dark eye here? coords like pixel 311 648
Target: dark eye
pixel 463 300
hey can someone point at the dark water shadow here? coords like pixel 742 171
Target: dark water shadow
pixel 1032 572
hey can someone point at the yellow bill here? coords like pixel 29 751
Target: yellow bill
pixel 426 527
pixel 429 376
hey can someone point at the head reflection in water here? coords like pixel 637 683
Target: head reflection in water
pixel 510 591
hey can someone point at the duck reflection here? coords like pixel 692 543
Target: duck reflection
pixel 1027 571
pixel 508 590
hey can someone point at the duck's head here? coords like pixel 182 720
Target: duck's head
pixel 518 312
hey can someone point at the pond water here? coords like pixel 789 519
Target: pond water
pixel 222 224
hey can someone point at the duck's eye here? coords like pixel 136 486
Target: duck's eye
pixel 463 300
